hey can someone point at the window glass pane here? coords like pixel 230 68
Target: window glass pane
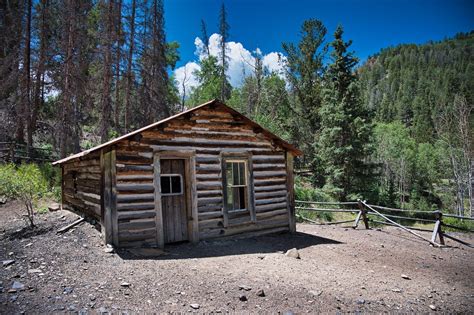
pixel 176 184
pixel 242 173
pixel 229 201
pixel 235 171
pixel 229 174
pixel 242 198
pixel 165 185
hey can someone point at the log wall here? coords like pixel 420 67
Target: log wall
pixel 81 180
pixel 208 132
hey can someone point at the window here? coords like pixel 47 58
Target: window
pixel 236 185
pixel 171 184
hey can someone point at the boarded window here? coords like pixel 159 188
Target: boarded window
pixel 236 185
pixel 171 184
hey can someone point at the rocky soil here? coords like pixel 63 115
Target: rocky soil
pixel 338 270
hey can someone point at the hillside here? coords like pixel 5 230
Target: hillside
pixel 410 83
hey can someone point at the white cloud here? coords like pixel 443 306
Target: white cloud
pixel 241 62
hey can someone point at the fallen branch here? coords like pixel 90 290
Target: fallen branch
pixel 67 227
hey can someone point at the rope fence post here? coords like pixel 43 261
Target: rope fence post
pixel 363 214
pixel 437 227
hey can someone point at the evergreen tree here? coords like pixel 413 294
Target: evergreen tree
pixel 304 68
pixel 225 89
pixel 345 131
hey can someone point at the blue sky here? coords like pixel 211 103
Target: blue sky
pixel 371 25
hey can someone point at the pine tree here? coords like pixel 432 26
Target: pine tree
pixel 345 130
pixel 224 65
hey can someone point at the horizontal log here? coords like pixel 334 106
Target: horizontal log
pixel 136 206
pixel 128 167
pixel 208 177
pixel 209 193
pixel 270 200
pixel 135 215
pixel 269 181
pixel 136 235
pixel 137 225
pixel 134 187
pixel 209 167
pixel 268 166
pixel 269 207
pixel 209 208
pixel 124 198
pixel 209 201
pixel 263 174
pixel 135 177
pixel 267 195
pixel 210 215
pixel 268 159
pixel 269 188
pixel 208 185
pixel 207 150
pixel 151 242
pixel 211 223
pixel 91 197
pixel 269 214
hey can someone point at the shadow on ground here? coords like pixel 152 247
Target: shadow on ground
pixel 216 248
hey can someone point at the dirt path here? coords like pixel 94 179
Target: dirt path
pixel 340 269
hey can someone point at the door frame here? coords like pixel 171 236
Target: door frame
pixel 189 158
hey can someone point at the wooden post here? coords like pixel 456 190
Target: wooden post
pixel 363 214
pixel 160 233
pixel 437 228
pixel 290 183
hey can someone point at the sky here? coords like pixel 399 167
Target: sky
pixel 371 25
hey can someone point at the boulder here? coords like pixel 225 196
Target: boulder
pixel 294 253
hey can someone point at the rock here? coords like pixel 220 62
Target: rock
pixel 13 298
pixel 18 286
pixel 433 307
pixel 54 206
pixel 316 292
pixel 360 301
pixel 3 200
pixel 10 254
pixel 68 290
pixel 293 253
pixel 261 293
pixel 195 306
pixel 396 290
pixel 243 298
pixel 108 250
pixel 102 310
pixel 8 262
pixel 125 284
pixel 406 277
pixel 34 271
pixel 245 287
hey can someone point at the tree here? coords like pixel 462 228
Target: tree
pixel 304 69
pixel 131 46
pixel 205 37
pixel 342 145
pixel 209 80
pixel 225 88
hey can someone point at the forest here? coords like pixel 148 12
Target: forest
pixel 394 129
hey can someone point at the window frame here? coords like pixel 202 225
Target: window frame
pixel 246 158
pixel 171 185
pixel 245 185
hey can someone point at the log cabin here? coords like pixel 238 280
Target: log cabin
pixel 208 172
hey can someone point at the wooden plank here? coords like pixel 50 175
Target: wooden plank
pixel 290 183
pixel 107 199
pixel 194 198
pixel 136 215
pixel 160 238
pixel 274 206
pixel 122 198
pixel 113 199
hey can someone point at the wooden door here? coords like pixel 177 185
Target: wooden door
pixel 173 200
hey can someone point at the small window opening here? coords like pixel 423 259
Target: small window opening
pixel 171 184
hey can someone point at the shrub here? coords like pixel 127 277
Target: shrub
pixel 309 193
pixel 25 183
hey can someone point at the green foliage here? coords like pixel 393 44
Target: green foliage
pixel 209 82
pixel 343 142
pixel 463 225
pixel 25 183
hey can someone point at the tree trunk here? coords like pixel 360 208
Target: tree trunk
pixel 129 68
pixel 118 34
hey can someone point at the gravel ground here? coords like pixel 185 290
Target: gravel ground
pixel 340 270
